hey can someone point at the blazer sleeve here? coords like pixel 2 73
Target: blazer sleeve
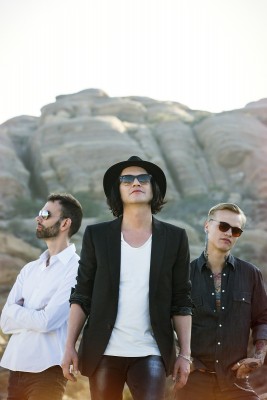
pixel 181 284
pixel 82 293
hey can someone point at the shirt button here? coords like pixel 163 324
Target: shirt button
pixel 219 343
pixel 214 293
pixel 220 325
pixel 224 274
pixel 217 361
pixel 210 276
pixel 222 308
pixel 243 299
pixel 223 291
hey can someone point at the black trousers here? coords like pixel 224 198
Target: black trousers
pixel 204 386
pixel 145 377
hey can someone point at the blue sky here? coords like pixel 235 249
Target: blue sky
pixel 207 54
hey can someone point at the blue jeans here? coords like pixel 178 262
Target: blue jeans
pixel 145 377
pixel 49 384
pixel 204 386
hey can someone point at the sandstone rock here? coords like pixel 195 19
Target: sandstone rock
pixel 235 148
pixel 61 163
pixel 191 232
pixel 207 158
pixel 258 109
pixel 147 142
pixel 168 111
pixel 91 93
pixel 124 109
pixel 14 178
pixel 184 159
pixel 14 254
pixel 71 106
pixel 15 247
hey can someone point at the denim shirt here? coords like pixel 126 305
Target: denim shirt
pixel 220 337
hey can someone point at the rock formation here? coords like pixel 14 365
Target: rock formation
pixel 207 158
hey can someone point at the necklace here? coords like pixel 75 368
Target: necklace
pixel 217 278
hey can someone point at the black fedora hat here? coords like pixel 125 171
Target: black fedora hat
pixel 114 172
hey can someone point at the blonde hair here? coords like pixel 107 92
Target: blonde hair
pixel 228 206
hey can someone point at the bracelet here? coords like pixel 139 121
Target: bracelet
pixel 186 358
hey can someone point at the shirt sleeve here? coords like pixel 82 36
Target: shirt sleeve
pixel 7 324
pixel 259 309
pixel 16 318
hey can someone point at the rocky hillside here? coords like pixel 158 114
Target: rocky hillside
pixel 207 158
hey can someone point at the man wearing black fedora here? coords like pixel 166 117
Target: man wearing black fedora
pixel 132 292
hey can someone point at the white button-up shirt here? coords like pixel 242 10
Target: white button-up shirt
pixel 39 327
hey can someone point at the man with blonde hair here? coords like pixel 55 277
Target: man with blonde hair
pixel 230 301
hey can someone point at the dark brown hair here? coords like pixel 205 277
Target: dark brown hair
pixel 115 203
pixel 71 208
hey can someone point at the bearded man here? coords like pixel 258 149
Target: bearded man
pixel 37 309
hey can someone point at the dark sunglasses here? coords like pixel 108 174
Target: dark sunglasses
pixel 224 227
pixel 142 179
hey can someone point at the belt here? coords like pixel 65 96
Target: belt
pixel 206 370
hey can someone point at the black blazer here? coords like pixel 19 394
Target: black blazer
pixel 97 289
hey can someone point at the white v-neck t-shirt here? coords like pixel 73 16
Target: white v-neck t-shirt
pixel 132 335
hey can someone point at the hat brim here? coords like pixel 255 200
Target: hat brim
pixel 114 172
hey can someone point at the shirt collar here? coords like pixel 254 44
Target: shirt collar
pixel 64 256
pixel 201 261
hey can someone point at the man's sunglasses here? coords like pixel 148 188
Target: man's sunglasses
pixel 142 179
pixel 45 214
pixel 224 227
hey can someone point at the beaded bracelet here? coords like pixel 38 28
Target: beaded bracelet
pixel 186 358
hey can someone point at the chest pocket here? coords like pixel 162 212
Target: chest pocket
pixel 242 297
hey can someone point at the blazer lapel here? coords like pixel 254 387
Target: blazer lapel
pixel 157 253
pixel 114 252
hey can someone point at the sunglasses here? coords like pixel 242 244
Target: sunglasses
pixel 224 227
pixel 142 179
pixel 45 214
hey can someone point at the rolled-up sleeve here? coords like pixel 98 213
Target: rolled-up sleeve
pixel 259 309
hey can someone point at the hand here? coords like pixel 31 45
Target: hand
pixel 245 366
pixel 70 364
pixel 180 373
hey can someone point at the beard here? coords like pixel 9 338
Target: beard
pixel 51 232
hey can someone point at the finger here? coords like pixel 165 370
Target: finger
pixel 175 373
pixel 181 379
pixel 67 372
pixel 253 365
pixel 242 371
pixel 75 365
pixel 243 376
pixel 236 366
pixel 179 384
